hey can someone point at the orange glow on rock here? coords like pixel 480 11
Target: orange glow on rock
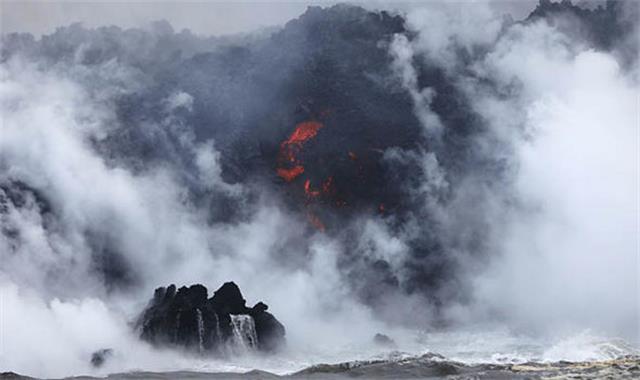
pixel 289 165
pixel 307 190
pixel 290 174
pixel 303 132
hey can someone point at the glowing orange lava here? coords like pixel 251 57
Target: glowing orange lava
pixel 307 190
pixel 303 132
pixel 290 174
pixel 290 148
pixel 290 166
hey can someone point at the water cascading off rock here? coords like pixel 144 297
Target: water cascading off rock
pixel 220 325
pixel 245 337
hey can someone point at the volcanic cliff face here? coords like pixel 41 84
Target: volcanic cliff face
pixel 314 117
pixel 314 114
pixel 319 122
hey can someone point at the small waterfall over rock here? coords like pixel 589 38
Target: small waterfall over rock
pixel 244 338
pixel 200 323
pixel 221 325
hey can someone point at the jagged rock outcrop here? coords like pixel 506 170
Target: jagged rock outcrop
pixel 221 325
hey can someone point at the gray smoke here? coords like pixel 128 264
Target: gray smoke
pixel 494 176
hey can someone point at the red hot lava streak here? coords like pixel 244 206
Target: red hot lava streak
pixel 303 132
pixel 290 174
pixel 290 167
pixel 290 148
pixel 307 190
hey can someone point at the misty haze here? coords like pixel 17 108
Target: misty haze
pixel 320 190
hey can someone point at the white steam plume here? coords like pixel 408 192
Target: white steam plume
pixel 564 237
pixel 56 307
pixel 562 233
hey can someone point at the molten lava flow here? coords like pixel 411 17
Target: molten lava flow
pixel 308 191
pixel 290 148
pixel 303 132
pixel 290 174
pixel 327 187
pixel 290 166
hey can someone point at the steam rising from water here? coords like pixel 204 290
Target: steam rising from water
pixel 562 240
pixel 567 116
pixel 548 246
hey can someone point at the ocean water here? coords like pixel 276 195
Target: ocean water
pixel 61 338
pixel 418 354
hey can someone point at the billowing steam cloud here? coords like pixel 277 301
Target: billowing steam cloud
pixel 559 99
pixel 446 165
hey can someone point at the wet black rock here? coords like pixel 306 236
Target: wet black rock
pixel 222 324
pixel 228 299
pixel 269 330
pixel 99 357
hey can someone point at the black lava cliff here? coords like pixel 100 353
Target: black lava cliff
pixel 222 324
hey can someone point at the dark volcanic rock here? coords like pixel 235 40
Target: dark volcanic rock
pixel 99 357
pixel 228 299
pixel 221 324
pixel 269 330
